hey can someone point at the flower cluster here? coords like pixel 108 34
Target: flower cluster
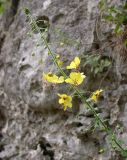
pixel 75 78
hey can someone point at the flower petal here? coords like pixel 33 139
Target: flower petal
pixel 61 79
pixel 61 101
pixel 65 100
pixel 71 66
pixel 74 64
pixel 77 61
pixel 69 80
pixel 96 94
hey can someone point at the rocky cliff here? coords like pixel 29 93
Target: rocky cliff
pixel 32 124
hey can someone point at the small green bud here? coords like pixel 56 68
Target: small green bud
pixel 26 10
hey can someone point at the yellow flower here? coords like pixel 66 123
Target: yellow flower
pixel 96 94
pixel 53 78
pixel 65 100
pixel 74 64
pixel 76 78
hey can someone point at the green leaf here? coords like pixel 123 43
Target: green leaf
pixel 109 17
pixel 107 63
pixel 125 42
pixel 2 9
pixel 118 29
pixel 124 153
pixel 96 70
pixel 112 9
pixel 102 4
pixel 125 6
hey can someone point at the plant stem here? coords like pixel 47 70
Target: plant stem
pixel 107 129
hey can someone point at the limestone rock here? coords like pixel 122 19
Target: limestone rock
pixel 32 124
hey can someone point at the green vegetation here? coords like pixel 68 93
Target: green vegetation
pixel 97 63
pixel 114 14
pixel 75 78
pixel 3 5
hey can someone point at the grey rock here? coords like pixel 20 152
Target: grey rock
pixel 33 126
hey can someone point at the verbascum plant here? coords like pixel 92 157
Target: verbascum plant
pixel 74 79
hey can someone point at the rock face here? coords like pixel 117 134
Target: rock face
pixel 32 124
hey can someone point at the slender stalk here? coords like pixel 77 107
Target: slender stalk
pixel 107 129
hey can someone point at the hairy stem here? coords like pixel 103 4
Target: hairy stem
pixel 98 118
